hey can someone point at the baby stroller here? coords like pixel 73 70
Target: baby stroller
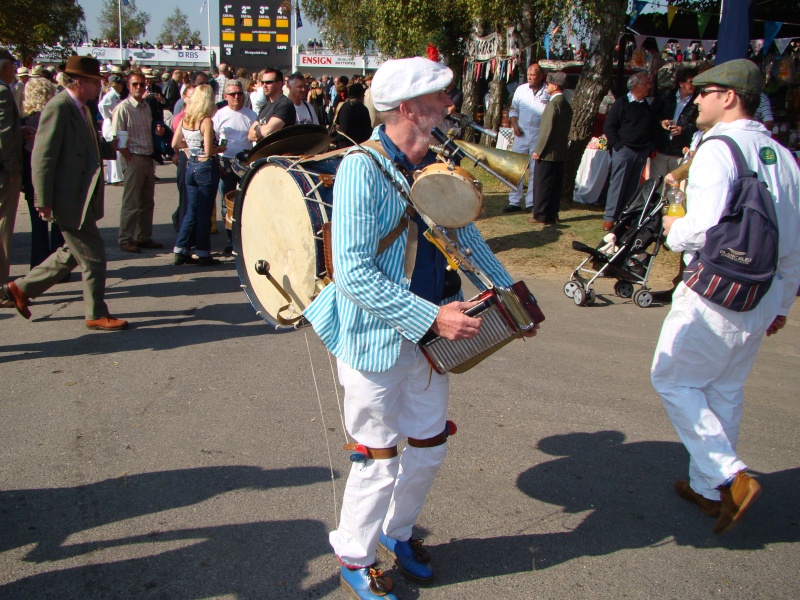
pixel 623 254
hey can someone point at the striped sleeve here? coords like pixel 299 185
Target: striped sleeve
pixel 365 208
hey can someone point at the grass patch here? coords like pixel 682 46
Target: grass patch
pixel 537 251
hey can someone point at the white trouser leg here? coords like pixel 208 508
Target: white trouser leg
pixel 380 409
pixel 515 195
pixel 702 360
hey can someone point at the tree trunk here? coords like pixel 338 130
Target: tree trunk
pixel 593 85
pixel 469 90
pixel 497 89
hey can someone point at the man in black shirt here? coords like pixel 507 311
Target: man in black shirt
pixel 277 113
pixel 353 119
pixel 629 131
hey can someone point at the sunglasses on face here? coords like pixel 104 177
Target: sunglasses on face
pixel 138 84
pixel 235 94
pixel 706 91
pixel 267 81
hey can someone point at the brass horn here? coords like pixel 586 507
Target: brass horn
pixel 509 167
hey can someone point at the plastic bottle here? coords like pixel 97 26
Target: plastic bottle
pixel 676 199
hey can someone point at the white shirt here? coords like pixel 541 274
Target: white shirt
pixel 305 114
pixel 528 106
pixel 233 125
pixel 707 194
pixel 109 103
pixel 680 105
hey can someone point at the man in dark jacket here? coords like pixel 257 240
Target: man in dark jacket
pixel 675 114
pixel 628 128
pixel 551 152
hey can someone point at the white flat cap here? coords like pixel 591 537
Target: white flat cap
pixel 406 78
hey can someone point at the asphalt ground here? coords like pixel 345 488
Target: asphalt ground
pixel 188 457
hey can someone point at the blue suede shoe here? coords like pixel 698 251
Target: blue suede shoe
pixel 368 583
pixel 409 556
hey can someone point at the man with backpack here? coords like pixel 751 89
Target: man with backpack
pixel 741 241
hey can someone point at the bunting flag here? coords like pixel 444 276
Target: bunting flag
pixel 771 29
pixel 702 22
pixel 202 6
pixel 671 12
pixel 547 45
pixel 127 3
pixel 661 42
pixel 757 45
pixel 639 40
pixel 638 7
pixel 781 43
pixel 297 15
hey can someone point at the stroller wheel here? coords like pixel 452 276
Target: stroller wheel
pixel 589 297
pixel 579 296
pixel 623 289
pixel 643 298
pixel 569 288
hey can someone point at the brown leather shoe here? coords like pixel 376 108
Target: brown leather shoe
pixel 150 244
pixel 736 499
pixel 608 225
pixel 709 507
pixel 108 323
pixel 20 299
pixel 132 247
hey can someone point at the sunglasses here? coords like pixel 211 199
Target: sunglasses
pixel 138 84
pixel 234 94
pixel 706 91
pixel 265 82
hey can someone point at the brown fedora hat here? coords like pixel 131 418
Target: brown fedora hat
pixel 83 66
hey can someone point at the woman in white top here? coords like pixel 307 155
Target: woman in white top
pixel 107 105
pixel 195 138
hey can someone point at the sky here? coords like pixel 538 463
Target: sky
pixel 161 9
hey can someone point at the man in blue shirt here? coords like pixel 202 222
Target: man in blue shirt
pixel 371 318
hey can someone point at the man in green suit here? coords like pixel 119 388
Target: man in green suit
pixel 68 180
pixel 551 152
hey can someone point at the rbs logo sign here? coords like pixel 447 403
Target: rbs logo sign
pixel 188 54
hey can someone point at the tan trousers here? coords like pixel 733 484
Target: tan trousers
pixel 9 200
pixel 82 247
pixel 138 199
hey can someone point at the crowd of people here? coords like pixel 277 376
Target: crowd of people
pixel 383 301
pixel 193 44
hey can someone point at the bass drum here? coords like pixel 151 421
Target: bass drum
pixel 278 216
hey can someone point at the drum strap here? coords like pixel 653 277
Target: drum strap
pixel 406 221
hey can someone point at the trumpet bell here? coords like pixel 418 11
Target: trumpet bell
pixel 511 165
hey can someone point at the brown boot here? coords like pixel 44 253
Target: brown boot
pixel 709 507
pixel 736 499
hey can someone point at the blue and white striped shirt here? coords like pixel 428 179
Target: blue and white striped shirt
pixel 363 317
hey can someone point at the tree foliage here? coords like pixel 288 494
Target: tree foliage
pixel 176 29
pixel 29 26
pixel 134 21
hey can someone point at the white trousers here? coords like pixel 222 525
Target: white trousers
pixel 525 145
pixel 381 409
pixel 703 357
pixel 113 167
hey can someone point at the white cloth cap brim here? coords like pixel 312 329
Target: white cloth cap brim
pixel 406 78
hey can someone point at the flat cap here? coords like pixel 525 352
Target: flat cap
pixel 740 75
pixel 406 78
pixel 559 79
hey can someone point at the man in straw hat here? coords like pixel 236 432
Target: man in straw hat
pixel 68 179
pixel 381 304
pixel 705 351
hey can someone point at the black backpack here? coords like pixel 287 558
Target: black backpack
pixel 736 266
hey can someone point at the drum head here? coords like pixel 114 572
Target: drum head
pixel 449 197
pixel 298 140
pixel 272 224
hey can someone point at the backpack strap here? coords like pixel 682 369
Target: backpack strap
pixel 743 170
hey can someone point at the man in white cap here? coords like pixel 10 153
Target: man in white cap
pixel 381 304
